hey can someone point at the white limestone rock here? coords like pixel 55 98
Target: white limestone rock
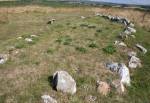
pixel 124 76
pixel 134 62
pixel 141 48
pixel 62 81
pixel 48 99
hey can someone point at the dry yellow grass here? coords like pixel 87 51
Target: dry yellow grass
pixel 139 17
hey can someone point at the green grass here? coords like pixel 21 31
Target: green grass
pixel 110 49
pixel 71 46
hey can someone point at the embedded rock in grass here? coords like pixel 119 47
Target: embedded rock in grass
pixel 141 48
pixel 103 88
pixel 124 76
pixel 83 17
pixel 120 43
pixel 3 58
pixel 62 81
pixel 134 62
pixel 132 53
pixel 132 30
pixel 33 36
pixel 19 37
pixel 51 21
pixel 28 39
pixel 48 99
pixel 113 67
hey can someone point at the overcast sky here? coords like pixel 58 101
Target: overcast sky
pixel 143 2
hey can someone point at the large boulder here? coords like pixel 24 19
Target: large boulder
pixel 62 81
pixel 48 99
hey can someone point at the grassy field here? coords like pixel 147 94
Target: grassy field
pixel 69 44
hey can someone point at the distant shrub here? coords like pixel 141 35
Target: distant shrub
pixel 110 49
pixel 81 49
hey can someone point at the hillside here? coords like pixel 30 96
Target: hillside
pixel 74 44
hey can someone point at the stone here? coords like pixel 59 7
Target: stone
pixel 33 36
pixel 131 25
pixel 132 53
pixel 103 88
pixel 132 30
pixel 62 81
pixel 134 62
pixel 113 66
pixel 90 98
pixel 3 58
pixel 124 76
pixel 83 17
pixel 141 48
pixel 28 39
pixel 19 37
pixel 51 21
pixel 48 99
pixel 120 43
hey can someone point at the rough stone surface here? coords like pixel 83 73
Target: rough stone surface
pixel 3 58
pixel 134 62
pixel 120 43
pixel 132 30
pixel 48 99
pixel 113 66
pixel 132 53
pixel 28 39
pixel 141 48
pixel 62 81
pixel 124 76
pixel 103 88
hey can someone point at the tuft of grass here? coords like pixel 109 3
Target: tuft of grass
pixel 93 45
pixel 50 51
pixel 110 49
pixel 19 45
pixel 65 40
pixel 98 30
pixel 81 49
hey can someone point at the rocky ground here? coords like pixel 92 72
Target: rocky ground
pixel 100 57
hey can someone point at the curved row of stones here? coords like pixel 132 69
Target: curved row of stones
pixel 64 82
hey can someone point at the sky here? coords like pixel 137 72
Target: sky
pixel 142 2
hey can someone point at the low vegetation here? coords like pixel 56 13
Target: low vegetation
pixel 78 46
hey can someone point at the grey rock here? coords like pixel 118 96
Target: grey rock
pixel 141 48
pixel 120 43
pixel 134 62
pixel 3 58
pixel 62 81
pixel 124 76
pixel 132 53
pixel 48 99
pixel 132 30
pixel 28 39
pixel 113 66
